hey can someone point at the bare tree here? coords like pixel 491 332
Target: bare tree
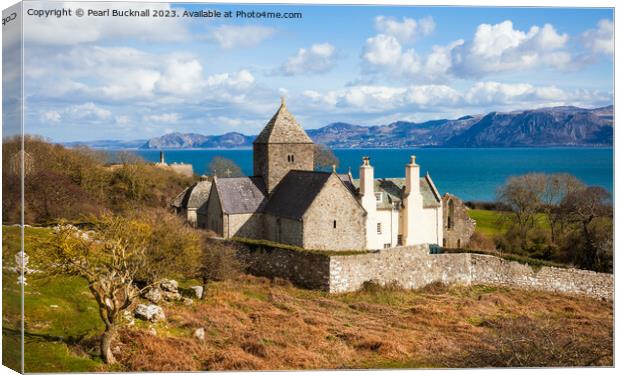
pixel 584 208
pixel 558 186
pixel 324 158
pixel 223 167
pixel 523 195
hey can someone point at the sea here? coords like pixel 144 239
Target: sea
pixel 473 174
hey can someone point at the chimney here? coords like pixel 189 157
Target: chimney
pixel 369 202
pixel 367 178
pixel 161 157
pixel 412 177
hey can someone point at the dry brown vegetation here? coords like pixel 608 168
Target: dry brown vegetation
pixel 258 324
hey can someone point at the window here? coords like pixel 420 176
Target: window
pixel 444 242
pixel 378 196
pixel 387 245
pixel 334 224
pixel 450 214
pixel 378 228
pixel 290 158
pixel 400 240
pixel 458 243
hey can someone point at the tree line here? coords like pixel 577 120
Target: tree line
pixel 557 217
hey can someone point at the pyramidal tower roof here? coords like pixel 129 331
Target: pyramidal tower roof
pixel 283 128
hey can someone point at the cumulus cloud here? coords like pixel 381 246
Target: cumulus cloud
pixel 319 58
pixel 501 47
pixel 119 74
pixel 74 30
pixel 601 39
pixel 406 30
pixel 494 48
pixel 229 36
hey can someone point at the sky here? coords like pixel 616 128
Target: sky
pixel 128 78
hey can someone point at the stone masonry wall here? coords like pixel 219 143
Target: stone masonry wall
pixel 413 267
pixel 486 269
pixel 301 268
pixel 458 227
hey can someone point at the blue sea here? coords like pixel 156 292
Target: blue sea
pixel 470 173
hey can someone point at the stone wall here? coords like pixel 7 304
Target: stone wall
pixel 413 267
pixel 304 269
pixel 335 220
pixel 486 269
pixel 458 227
pixel 272 160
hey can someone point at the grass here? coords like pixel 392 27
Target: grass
pixel 489 223
pixel 59 313
pixel 254 323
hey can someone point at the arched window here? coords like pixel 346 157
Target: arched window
pixel 334 224
pixel 290 158
pixel 450 214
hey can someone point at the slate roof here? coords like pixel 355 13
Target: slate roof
pixel 393 189
pixel 241 195
pixel 283 128
pixel 193 196
pixel 295 193
pixel 348 182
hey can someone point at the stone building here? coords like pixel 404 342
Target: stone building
pixel 286 201
pixel 191 199
pixel 458 227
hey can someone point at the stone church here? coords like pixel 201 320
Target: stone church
pixel 287 201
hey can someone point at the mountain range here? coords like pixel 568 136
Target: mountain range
pixel 545 127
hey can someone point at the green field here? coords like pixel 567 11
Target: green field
pixel 490 222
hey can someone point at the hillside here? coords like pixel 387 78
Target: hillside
pixel 255 323
pixel 545 127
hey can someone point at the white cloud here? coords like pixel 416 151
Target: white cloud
pixel 378 98
pixel 73 30
pixel 500 48
pixel 119 74
pixel 319 58
pixel 494 48
pixel 88 111
pixel 181 77
pixel 407 30
pixel 241 80
pixel 601 39
pixel 229 36
pixel 162 118
pixel 51 116
pixel 480 97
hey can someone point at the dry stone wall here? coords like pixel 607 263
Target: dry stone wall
pixel 413 267
pixel 301 268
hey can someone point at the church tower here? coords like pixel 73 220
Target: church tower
pixel 283 145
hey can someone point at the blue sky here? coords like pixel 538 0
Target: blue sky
pixel 124 78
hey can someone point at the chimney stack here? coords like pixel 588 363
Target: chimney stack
pixel 412 177
pixel 369 203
